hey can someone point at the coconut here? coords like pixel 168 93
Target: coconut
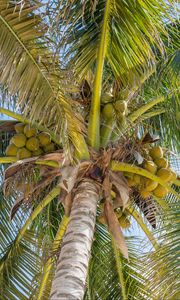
pixel 150 166
pixel 150 185
pixel 30 131
pixel 49 148
pixel 108 111
pixel 44 138
pixel 156 152
pixel 144 193
pixel 137 178
pixel 173 175
pixel 32 144
pixel 160 191
pixel 23 153
pixel 37 152
pixel 161 162
pixel 19 128
pixel 11 150
pixel 19 140
pixel 120 106
pixel 164 174
pixel 124 222
pixel 131 182
pixel 106 97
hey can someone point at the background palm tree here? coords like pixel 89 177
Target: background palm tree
pixel 63 63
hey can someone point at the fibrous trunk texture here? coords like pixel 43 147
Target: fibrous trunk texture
pixel 72 266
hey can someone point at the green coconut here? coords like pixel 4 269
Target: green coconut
pixel 19 140
pixel 23 153
pixel 49 148
pixel 120 106
pixel 11 150
pixel 19 128
pixel 106 97
pixel 44 138
pixel 108 111
pixel 37 152
pixel 32 144
pixel 30 131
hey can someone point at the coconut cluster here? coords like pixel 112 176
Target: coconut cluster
pixel 157 165
pixel 28 142
pixel 118 108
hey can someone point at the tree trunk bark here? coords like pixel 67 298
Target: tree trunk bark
pixel 70 278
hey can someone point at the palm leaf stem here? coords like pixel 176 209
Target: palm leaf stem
pixel 135 115
pixel 118 259
pixel 124 167
pixel 153 114
pixel 143 226
pixel 49 264
pixel 52 194
pixel 21 119
pixel 94 119
pixel 12 159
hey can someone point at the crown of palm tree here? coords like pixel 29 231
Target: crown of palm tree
pixel 58 66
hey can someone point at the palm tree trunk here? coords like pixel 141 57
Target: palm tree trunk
pixel 70 278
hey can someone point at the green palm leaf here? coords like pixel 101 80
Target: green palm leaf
pixel 27 68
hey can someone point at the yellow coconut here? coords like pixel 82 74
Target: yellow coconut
pixel 44 138
pixel 144 193
pixel 161 162
pixel 164 174
pixel 32 144
pixel 11 150
pixel 131 182
pixel 30 131
pixel 120 106
pixel 160 191
pixel 119 213
pixel 108 111
pixel 137 178
pixel 156 152
pixel 23 153
pixel 173 175
pixel 150 166
pixel 150 185
pixel 49 148
pixel 19 140
pixel 124 222
pixel 19 128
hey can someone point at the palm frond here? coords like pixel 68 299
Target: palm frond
pixel 102 269
pixel 164 280
pixel 128 45
pixel 27 68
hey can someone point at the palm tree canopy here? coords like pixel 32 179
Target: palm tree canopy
pixel 58 61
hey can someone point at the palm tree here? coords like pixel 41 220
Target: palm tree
pixel 101 81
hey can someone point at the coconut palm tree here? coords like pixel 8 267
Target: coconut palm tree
pixel 101 78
